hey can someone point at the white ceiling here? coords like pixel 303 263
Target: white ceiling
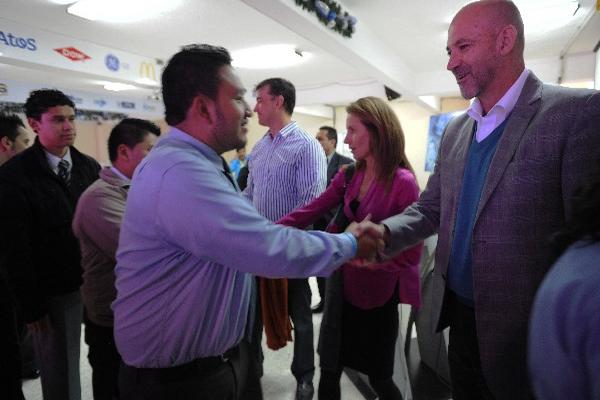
pixel 409 33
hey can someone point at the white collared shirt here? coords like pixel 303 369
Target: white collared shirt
pixel 329 157
pixel 498 113
pixel 54 160
pixel 120 174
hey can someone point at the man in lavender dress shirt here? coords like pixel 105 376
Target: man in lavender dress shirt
pixel 190 243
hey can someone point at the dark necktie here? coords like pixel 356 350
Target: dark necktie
pixel 228 174
pixel 63 171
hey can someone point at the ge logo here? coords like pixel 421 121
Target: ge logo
pixel 112 62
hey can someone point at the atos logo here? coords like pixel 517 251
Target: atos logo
pixel 73 54
pixel 14 41
pixel 112 62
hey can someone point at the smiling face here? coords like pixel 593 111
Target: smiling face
pixel 473 57
pixel 56 129
pixel 358 138
pixel 232 110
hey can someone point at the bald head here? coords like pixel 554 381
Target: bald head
pixel 497 14
pixel 485 49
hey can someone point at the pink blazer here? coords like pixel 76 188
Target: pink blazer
pixel 373 286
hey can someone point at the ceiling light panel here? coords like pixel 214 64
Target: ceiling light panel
pixel 121 11
pixel 269 56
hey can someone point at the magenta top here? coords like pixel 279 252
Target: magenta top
pixel 372 286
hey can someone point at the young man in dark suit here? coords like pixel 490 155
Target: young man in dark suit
pixel 39 189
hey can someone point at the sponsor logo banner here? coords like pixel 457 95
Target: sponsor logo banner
pixel 147 71
pixel 112 62
pixel 25 44
pixel 73 54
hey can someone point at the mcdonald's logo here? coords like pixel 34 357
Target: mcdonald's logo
pixel 148 71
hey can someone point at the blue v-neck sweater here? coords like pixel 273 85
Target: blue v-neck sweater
pixel 479 158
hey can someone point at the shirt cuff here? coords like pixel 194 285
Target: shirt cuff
pixel 353 242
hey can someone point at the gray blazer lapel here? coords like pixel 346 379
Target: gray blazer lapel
pixel 525 109
pixel 460 151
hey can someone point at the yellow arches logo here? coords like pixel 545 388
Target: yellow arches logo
pixel 148 71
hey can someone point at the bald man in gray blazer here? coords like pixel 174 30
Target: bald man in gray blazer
pixel 503 182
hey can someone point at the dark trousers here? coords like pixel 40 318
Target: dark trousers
pixel 467 377
pixel 30 364
pixel 329 387
pixel 10 357
pixel 232 377
pixel 299 295
pixel 57 348
pixel 104 359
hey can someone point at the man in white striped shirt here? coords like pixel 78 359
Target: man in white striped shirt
pixel 288 169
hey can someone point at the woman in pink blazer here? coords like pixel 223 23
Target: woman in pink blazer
pixel 360 331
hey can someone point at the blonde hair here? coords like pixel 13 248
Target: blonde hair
pixel 387 137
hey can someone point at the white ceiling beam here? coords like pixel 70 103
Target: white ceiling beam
pixel 364 51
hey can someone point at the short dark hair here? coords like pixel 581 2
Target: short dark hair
pixel 331 132
pixel 9 126
pixel 39 101
pixel 281 87
pixel 129 132
pixel 192 71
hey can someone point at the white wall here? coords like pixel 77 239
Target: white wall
pixel 597 76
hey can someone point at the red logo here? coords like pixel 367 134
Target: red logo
pixel 73 54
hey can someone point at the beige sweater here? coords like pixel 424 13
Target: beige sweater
pixel 97 224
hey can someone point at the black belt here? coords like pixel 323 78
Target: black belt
pixel 195 367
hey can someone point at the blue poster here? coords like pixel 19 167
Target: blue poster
pixel 437 124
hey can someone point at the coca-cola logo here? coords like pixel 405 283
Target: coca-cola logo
pixel 73 54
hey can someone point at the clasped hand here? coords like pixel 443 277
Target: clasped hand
pixel 371 241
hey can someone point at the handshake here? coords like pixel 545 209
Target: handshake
pixel 371 239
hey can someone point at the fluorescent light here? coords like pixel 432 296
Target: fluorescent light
pixel 121 10
pixel 62 2
pixel 147 81
pixel 269 56
pixel 541 16
pixel 117 86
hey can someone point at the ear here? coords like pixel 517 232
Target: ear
pixel 204 108
pixel 33 123
pixel 123 152
pixel 506 40
pixel 5 144
pixel 279 101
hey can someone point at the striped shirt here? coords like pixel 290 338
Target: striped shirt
pixel 285 172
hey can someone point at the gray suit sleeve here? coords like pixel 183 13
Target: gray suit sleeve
pixel 421 219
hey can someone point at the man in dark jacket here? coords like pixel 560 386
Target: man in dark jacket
pixel 328 138
pixel 39 189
